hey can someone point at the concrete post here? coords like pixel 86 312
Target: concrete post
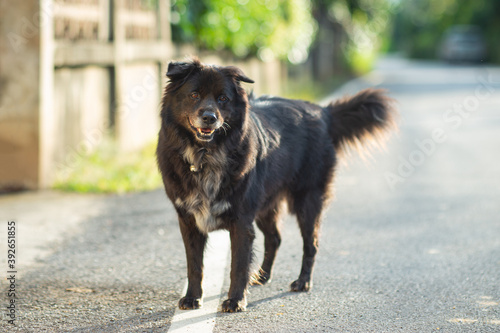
pixel 47 114
pixel 26 71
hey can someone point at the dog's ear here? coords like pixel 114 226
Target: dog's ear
pixel 178 73
pixel 181 70
pixel 237 74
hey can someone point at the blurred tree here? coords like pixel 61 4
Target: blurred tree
pixel 354 30
pixel 266 28
pixel 360 28
pixel 420 25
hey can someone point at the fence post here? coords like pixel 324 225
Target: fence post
pixel 47 114
pixel 118 39
pixel 26 47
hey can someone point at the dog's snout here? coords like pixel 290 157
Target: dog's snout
pixel 209 117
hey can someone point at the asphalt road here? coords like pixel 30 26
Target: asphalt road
pixel 411 242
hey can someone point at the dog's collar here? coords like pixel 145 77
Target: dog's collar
pixel 197 164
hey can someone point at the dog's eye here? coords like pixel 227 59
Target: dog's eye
pixel 223 99
pixel 195 95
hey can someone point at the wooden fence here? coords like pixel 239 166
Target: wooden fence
pixel 101 66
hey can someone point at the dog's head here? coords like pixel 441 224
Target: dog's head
pixel 206 100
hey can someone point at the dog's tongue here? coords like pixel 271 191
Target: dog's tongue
pixel 206 130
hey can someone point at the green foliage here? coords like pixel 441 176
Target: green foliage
pixel 107 171
pixel 366 24
pixel 266 28
pixel 282 29
pixel 420 25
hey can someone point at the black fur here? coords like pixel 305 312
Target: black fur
pixel 228 161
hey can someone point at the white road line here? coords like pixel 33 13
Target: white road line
pixel 215 261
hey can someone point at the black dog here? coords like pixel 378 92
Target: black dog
pixel 228 160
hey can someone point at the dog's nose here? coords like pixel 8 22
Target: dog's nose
pixel 209 117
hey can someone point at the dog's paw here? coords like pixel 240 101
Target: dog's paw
pixel 190 303
pixel 260 279
pixel 232 305
pixel 300 285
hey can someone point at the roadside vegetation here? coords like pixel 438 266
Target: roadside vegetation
pixel 107 171
pixel 418 26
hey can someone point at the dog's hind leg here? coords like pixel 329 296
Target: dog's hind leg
pixel 268 224
pixel 194 243
pixel 308 206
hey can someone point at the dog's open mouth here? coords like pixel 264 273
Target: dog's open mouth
pixel 205 131
pixel 203 134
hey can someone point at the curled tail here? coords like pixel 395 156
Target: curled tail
pixel 357 120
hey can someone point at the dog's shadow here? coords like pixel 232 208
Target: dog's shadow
pixel 270 298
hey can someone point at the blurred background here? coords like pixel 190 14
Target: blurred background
pixel 81 80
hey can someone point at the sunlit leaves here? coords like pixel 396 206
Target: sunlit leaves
pixel 267 28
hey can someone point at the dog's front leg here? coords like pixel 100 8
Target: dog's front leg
pixel 242 236
pixel 194 243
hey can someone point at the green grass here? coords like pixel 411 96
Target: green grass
pixel 108 171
